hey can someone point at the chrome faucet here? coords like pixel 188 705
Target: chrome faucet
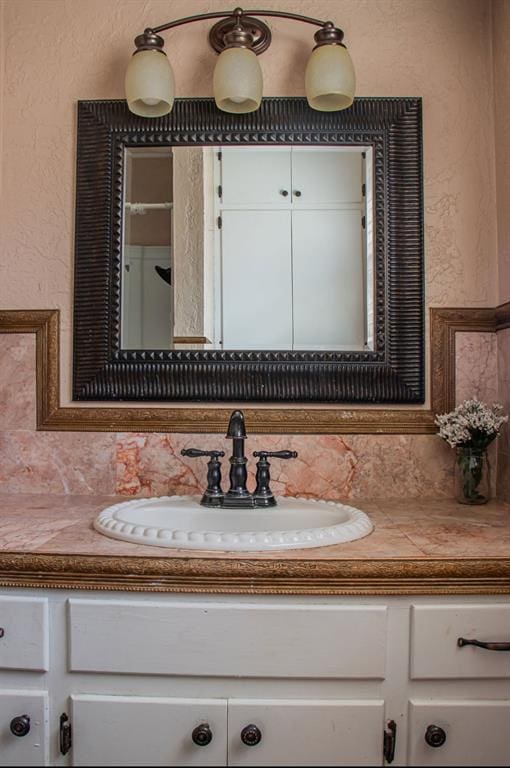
pixel 238 496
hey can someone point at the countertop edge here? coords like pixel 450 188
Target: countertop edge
pixel 424 576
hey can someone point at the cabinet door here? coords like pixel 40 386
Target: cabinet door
pixel 255 176
pixel 256 280
pixel 476 732
pixel 326 176
pixel 307 732
pixel 328 280
pixel 140 730
pixel 32 748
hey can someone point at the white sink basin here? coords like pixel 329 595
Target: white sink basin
pixel 180 522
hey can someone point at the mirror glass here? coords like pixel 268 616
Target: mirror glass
pixel 248 248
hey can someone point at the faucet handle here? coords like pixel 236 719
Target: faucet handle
pixel 194 453
pixel 263 496
pixel 275 454
pixel 213 495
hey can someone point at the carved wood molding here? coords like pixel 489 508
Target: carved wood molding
pixel 245 576
pixel 444 324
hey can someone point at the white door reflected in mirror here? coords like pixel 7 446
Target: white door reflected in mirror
pixel 248 248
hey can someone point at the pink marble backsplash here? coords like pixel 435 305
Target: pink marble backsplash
pixel 476 367
pixel 17 381
pixel 132 464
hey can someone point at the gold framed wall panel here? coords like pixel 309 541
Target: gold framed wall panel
pixel 444 324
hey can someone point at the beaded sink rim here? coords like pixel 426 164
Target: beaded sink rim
pixel 108 523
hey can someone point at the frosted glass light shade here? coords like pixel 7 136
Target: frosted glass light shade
pixel 150 85
pixel 237 81
pixel 330 81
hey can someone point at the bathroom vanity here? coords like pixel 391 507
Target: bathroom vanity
pixel 122 654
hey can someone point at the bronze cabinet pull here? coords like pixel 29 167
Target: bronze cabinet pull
pixel 297 192
pixel 202 735
pixel 284 192
pixel 251 735
pixel 462 641
pixel 435 736
pixel 2 632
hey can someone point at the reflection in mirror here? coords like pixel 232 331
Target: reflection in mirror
pixel 248 248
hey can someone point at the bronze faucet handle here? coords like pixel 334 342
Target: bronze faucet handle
pixel 275 454
pixel 213 495
pixel 194 453
pixel 263 495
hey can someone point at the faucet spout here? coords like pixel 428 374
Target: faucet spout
pixel 236 427
pixel 238 495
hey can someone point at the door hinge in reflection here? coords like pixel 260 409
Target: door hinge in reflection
pixel 220 191
pixel 364 190
pixel 219 222
pixel 363 222
pixel 219 155
pixel 390 741
pixel 66 740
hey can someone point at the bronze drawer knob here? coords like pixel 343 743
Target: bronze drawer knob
pixel 251 735
pixel 20 725
pixel 435 736
pixel 202 735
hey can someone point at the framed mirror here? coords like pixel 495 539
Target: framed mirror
pixel 275 256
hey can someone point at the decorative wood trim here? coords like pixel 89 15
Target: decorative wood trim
pixel 503 316
pixel 244 576
pixel 444 324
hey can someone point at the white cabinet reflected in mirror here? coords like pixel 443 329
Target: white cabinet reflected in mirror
pixel 248 248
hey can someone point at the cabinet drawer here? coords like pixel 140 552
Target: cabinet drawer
pixel 24 635
pixel 307 732
pixel 31 749
pixel 476 732
pixel 434 649
pixel 263 640
pixel 146 730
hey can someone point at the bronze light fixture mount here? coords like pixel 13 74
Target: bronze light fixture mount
pixel 253 32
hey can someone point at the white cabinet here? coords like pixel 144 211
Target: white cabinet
pixel 317 678
pixel 293 264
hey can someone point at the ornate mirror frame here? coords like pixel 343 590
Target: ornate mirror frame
pixel 392 373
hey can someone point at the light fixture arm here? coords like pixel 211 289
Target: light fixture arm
pixel 226 14
pixel 258 34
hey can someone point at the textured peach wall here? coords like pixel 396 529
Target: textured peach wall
pixel 504 398
pixel 501 26
pixel 78 49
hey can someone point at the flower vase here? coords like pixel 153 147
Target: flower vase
pixel 472 476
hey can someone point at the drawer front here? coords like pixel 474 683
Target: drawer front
pixel 235 640
pixel 32 748
pixel 476 732
pixel 24 633
pixel 307 732
pixel 434 649
pixel 145 730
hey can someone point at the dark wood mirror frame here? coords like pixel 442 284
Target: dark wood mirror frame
pixel 392 373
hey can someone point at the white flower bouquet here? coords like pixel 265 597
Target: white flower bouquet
pixel 470 428
pixel 472 424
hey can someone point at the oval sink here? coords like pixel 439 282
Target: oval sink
pixel 180 522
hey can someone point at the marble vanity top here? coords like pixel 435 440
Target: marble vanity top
pixel 416 546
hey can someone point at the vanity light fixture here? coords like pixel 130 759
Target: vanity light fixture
pixel 239 37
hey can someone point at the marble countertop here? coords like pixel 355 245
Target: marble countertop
pixel 416 546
